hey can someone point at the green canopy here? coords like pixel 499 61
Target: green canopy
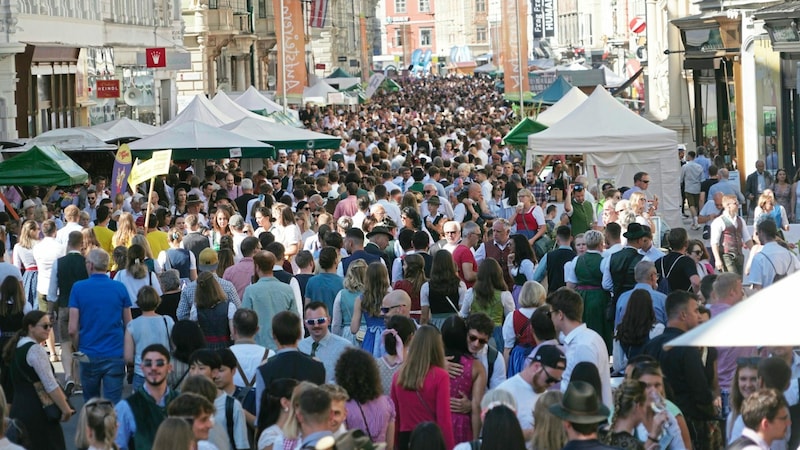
pixel 513 97
pixel 390 85
pixel 41 166
pixel 518 136
pixel 339 73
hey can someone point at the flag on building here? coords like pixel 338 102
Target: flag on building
pixel 319 13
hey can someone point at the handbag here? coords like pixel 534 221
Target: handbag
pixel 51 410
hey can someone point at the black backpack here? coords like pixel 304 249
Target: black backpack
pixel 777 277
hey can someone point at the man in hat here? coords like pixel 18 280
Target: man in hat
pixel 582 414
pixel 194 205
pixel 618 269
pixel 546 364
pixel 379 239
pixel 430 194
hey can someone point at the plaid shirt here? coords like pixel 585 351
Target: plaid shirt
pixel 539 191
pixel 187 297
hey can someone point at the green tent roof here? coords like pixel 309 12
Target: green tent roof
pixel 41 166
pixel 339 73
pixel 518 136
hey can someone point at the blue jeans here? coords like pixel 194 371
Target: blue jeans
pixel 108 371
pixel 138 381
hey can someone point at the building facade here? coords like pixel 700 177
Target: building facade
pixel 53 52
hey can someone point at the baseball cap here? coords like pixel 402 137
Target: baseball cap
pixel 549 356
pixel 207 260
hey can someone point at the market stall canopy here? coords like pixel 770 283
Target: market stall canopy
pixel 613 80
pixel 231 108
pixel 486 68
pixel 518 136
pixel 255 101
pixel 318 93
pixel 41 166
pixel 282 136
pixel 566 105
pixel 195 139
pixel 762 320
pixel 200 109
pixel 127 129
pixel 617 143
pixel 339 73
pixel 71 140
pixel 554 92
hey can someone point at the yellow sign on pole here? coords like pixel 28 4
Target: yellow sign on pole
pixel 145 170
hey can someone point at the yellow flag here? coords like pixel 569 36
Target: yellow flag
pixel 145 170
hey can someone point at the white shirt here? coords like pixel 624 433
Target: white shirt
pixel 63 234
pixel 584 344
pixel 249 357
pixel 772 260
pixel 499 371
pixel 46 252
pixel 523 393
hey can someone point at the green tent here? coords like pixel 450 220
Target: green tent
pixel 390 85
pixel 340 73
pixel 41 166
pixel 518 136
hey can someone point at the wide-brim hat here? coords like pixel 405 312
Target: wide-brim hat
pixel 581 404
pixel 192 199
pixel 636 231
pixel 379 229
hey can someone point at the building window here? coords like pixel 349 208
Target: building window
pixel 398 37
pixel 424 5
pixel 262 9
pixel 399 6
pixel 480 34
pixel 426 37
pixel 480 5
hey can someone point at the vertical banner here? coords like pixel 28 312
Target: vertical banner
pixel 319 13
pixel 515 46
pixel 538 18
pixel 121 170
pixel 291 36
pixel 549 13
pixel 362 21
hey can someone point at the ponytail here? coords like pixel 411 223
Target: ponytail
pixel 30 319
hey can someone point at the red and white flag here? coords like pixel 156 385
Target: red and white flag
pixel 319 13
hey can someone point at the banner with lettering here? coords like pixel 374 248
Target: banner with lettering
pixel 515 45
pixel 289 28
pixel 544 22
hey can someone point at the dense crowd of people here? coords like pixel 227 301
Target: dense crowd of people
pixel 416 287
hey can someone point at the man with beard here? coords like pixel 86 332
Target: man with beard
pixel 139 415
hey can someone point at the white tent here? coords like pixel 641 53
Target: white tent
pixel 765 319
pixel 252 100
pixel 571 100
pixel 125 128
pixel 318 93
pixel 231 108
pixel 200 109
pixel 613 80
pixel 617 143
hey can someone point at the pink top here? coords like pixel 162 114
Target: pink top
pixel 436 407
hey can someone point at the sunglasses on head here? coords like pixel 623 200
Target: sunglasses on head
pixel 97 403
pixel 748 361
pixel 317 321
pixel 473 338
pixel 157 362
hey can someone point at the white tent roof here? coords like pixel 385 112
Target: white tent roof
pixel 571 100
pixel 201 110
pixel 318 93
pixel 123 128
pixel 617 143
pixel 768 318
pixel 252 100
pixel 231 108
pixel 612 78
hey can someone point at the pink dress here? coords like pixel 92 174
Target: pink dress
pixel 462 423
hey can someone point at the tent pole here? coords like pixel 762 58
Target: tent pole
pixel 149 206
pixel 9 207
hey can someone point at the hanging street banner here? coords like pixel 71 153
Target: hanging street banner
pixel 514 49
pixel 291 36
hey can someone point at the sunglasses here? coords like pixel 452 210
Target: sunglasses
pixel 473 338
pixel 428 192
pixel 646 181
pixel 99 403
pixel 157 363
pixel 46 326
pixel 697 252
pixel 748 361
pixel 550 379
pixel 317 321
pixel 385 310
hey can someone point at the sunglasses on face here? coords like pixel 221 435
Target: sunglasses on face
pixel 385 310
pixel 157 363
pixel 473 338
pixel 317 321
pixel 46 326
pixel 550 379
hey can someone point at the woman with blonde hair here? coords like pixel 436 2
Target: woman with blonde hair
pixel 149 257
pixel 292 434
pixel 376 286
pixel 213 312
pixel 275 403
pixel 136 275
pixel 642 209
pixel 630 409
pixel 98 421
pixel 518 337
pixel 549 431
pixel 421 389
pixel 344 303
pixel 769 209
pixel 23 259
pixel 174 433
pixel 286 230
pixel 126 230
pixel 178 258
pixel 528 217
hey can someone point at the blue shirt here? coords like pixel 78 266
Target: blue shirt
pixel 323 287
pixel 101 302
pixel 659 303
pixel 328 352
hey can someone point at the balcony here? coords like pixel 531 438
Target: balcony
pixel 239 7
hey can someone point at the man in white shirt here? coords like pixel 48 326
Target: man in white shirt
pixel 580 342
pixel 773 262
pixel 72 214
pixel 546 365
pixel 46 252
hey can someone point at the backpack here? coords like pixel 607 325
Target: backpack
pixel 491 357
pixel 663 281
pixel 777 277
pixel 229 419
pixel 520 352
pixel 741 444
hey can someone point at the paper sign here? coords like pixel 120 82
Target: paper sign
pixel 236 152
pixel 145 170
